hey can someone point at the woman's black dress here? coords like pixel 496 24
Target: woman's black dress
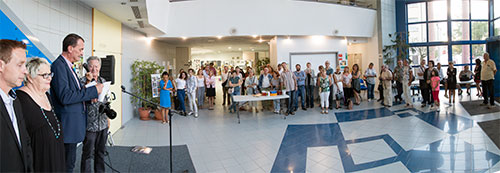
pixel 452 78
pixel 48 151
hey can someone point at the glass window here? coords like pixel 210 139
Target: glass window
pixel 497 26
pixel 461 54
pixel 417 33
pixel 444 69
pixel 459 9
pixel 496 4
pixel 479 9
pixel 438 31
pixel 479 30
pixel 460 31
pixel 418 54
pixel 437 10
pixel 438 54
pixel 416 12
pixel 478 51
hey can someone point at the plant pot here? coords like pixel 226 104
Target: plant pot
pixel 158 115
pixel 144 113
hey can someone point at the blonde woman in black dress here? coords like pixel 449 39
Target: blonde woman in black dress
pixel 43 126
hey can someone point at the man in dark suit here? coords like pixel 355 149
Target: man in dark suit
pixel 69 96
pixel 15 144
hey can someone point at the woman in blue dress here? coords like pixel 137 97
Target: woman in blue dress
pixel 165 90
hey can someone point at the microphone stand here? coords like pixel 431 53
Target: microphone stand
pixel 169 122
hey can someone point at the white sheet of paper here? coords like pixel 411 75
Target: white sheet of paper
pixel 91 84
pixel 105 90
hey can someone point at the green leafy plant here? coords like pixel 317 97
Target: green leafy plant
pixel 141 81
pixel 260 64
pixel 397 50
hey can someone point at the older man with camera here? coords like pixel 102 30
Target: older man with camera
pixel 94 144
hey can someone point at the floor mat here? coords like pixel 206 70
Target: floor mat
pixel 492 129
pixel 474 109
pixel 124 160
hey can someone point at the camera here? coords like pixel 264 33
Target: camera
pixel 106 108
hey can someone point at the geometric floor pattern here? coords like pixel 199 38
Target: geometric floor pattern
pixel 369 138
pixel 435 149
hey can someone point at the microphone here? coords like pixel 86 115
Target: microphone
pixel 86 67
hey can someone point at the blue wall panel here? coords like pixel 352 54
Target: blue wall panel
pixel 8 30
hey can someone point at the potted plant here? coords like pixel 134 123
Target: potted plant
pixel 398 49
pixel 141 86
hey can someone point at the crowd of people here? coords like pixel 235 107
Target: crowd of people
pixel 40 131
pixel 335 88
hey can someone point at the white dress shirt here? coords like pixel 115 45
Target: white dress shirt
pixel 9 105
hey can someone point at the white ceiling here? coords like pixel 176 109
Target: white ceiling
pixel 202 45
pixel 121 10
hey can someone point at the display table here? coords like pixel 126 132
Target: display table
pixel 243 99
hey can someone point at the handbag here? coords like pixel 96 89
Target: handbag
pixel 224 83
pixel 339 95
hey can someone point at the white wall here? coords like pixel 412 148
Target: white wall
pixel 388 20
pixel 308 44
pixel 135 47
pixel 217 56
pixel 158 11
pixel 262 17
pixel 51 20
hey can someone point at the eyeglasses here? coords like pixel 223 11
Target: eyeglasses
pixel 46 75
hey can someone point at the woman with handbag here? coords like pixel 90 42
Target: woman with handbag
pixel 210 84
pixel 347 83
pixel 324 90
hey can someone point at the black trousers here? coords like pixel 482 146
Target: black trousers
pixel 399 87
pixel 331 98
pixel 309 96
pixel 380 92
pixel 488 91
pixel 426 92
pixel 70 153
pixel 94 149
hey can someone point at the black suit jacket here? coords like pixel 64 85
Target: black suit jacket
pixel 14 158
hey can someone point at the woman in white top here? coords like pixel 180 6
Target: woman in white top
pixel 200 92
pixel 210 84
pixel 348 93
pixel 338 87
pixel 251 83
pixel 180 84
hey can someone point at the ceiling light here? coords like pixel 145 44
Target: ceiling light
pixel 184 38
pixel 239 48
pixel 229 47
pixel 253 49
pixel 254 36
pixel 219 37
pixel 149 39
pixel 260 40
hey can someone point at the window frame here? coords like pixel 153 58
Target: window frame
pixel 450 43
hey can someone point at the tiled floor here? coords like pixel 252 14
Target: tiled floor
pixel 369 138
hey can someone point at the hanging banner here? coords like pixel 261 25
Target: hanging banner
pixel 155 84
